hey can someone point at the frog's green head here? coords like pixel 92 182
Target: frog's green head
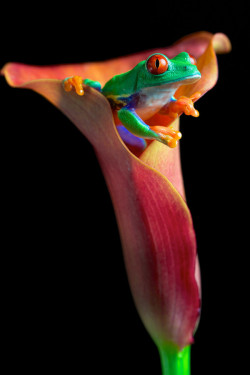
pixel 158 69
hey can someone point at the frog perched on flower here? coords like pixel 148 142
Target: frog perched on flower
pixel 145 90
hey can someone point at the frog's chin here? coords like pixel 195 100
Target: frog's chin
pixel 191 79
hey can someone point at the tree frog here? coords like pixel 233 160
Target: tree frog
pixel 145 90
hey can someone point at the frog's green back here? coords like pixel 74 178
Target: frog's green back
pixel 123 84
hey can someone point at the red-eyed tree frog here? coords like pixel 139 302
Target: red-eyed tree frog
pixel 145 90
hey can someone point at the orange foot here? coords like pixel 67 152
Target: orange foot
pixel 168 135
pixel 182 105
pixel 73 82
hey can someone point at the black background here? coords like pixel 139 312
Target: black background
pixel 65 299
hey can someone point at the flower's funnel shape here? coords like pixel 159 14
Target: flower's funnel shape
pixel 154 221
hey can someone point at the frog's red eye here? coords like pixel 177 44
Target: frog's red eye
pixel 192 59
pixel 157 64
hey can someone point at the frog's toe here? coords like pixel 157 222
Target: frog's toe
pixel 186 105
pixel 75 83
pixel 167 135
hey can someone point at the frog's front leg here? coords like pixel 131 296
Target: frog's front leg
pixel 138 127
pixel 76 83
pixel 181 105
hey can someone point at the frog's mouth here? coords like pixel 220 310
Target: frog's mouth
pixel 187 80
pixel 183 81
pixel 190 79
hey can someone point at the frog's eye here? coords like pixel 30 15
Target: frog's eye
pixel 192 59
pixel 157 64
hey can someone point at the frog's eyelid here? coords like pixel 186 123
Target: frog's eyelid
pixel 185 56
pixel 192 59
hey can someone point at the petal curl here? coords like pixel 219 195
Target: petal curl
pixel 208 66
pixel 196 43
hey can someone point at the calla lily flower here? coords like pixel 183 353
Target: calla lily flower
pixel 146 187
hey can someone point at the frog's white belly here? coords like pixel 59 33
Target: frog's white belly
pixel 152 99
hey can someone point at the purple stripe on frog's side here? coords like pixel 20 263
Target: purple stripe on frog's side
pixel 130 139
pixel 118 102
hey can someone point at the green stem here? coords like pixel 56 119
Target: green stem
pixel 174 362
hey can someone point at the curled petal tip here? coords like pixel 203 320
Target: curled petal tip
pixel 221 43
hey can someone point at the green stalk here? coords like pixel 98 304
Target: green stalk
pixel 174 362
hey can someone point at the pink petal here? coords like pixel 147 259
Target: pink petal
pixel 166 161
pixel 159 250
pixel 155 224
pixel 154 221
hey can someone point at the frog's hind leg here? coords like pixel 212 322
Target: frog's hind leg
pixel 135 124
pixel 138 127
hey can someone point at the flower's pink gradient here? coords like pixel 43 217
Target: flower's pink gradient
pixel 147 191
